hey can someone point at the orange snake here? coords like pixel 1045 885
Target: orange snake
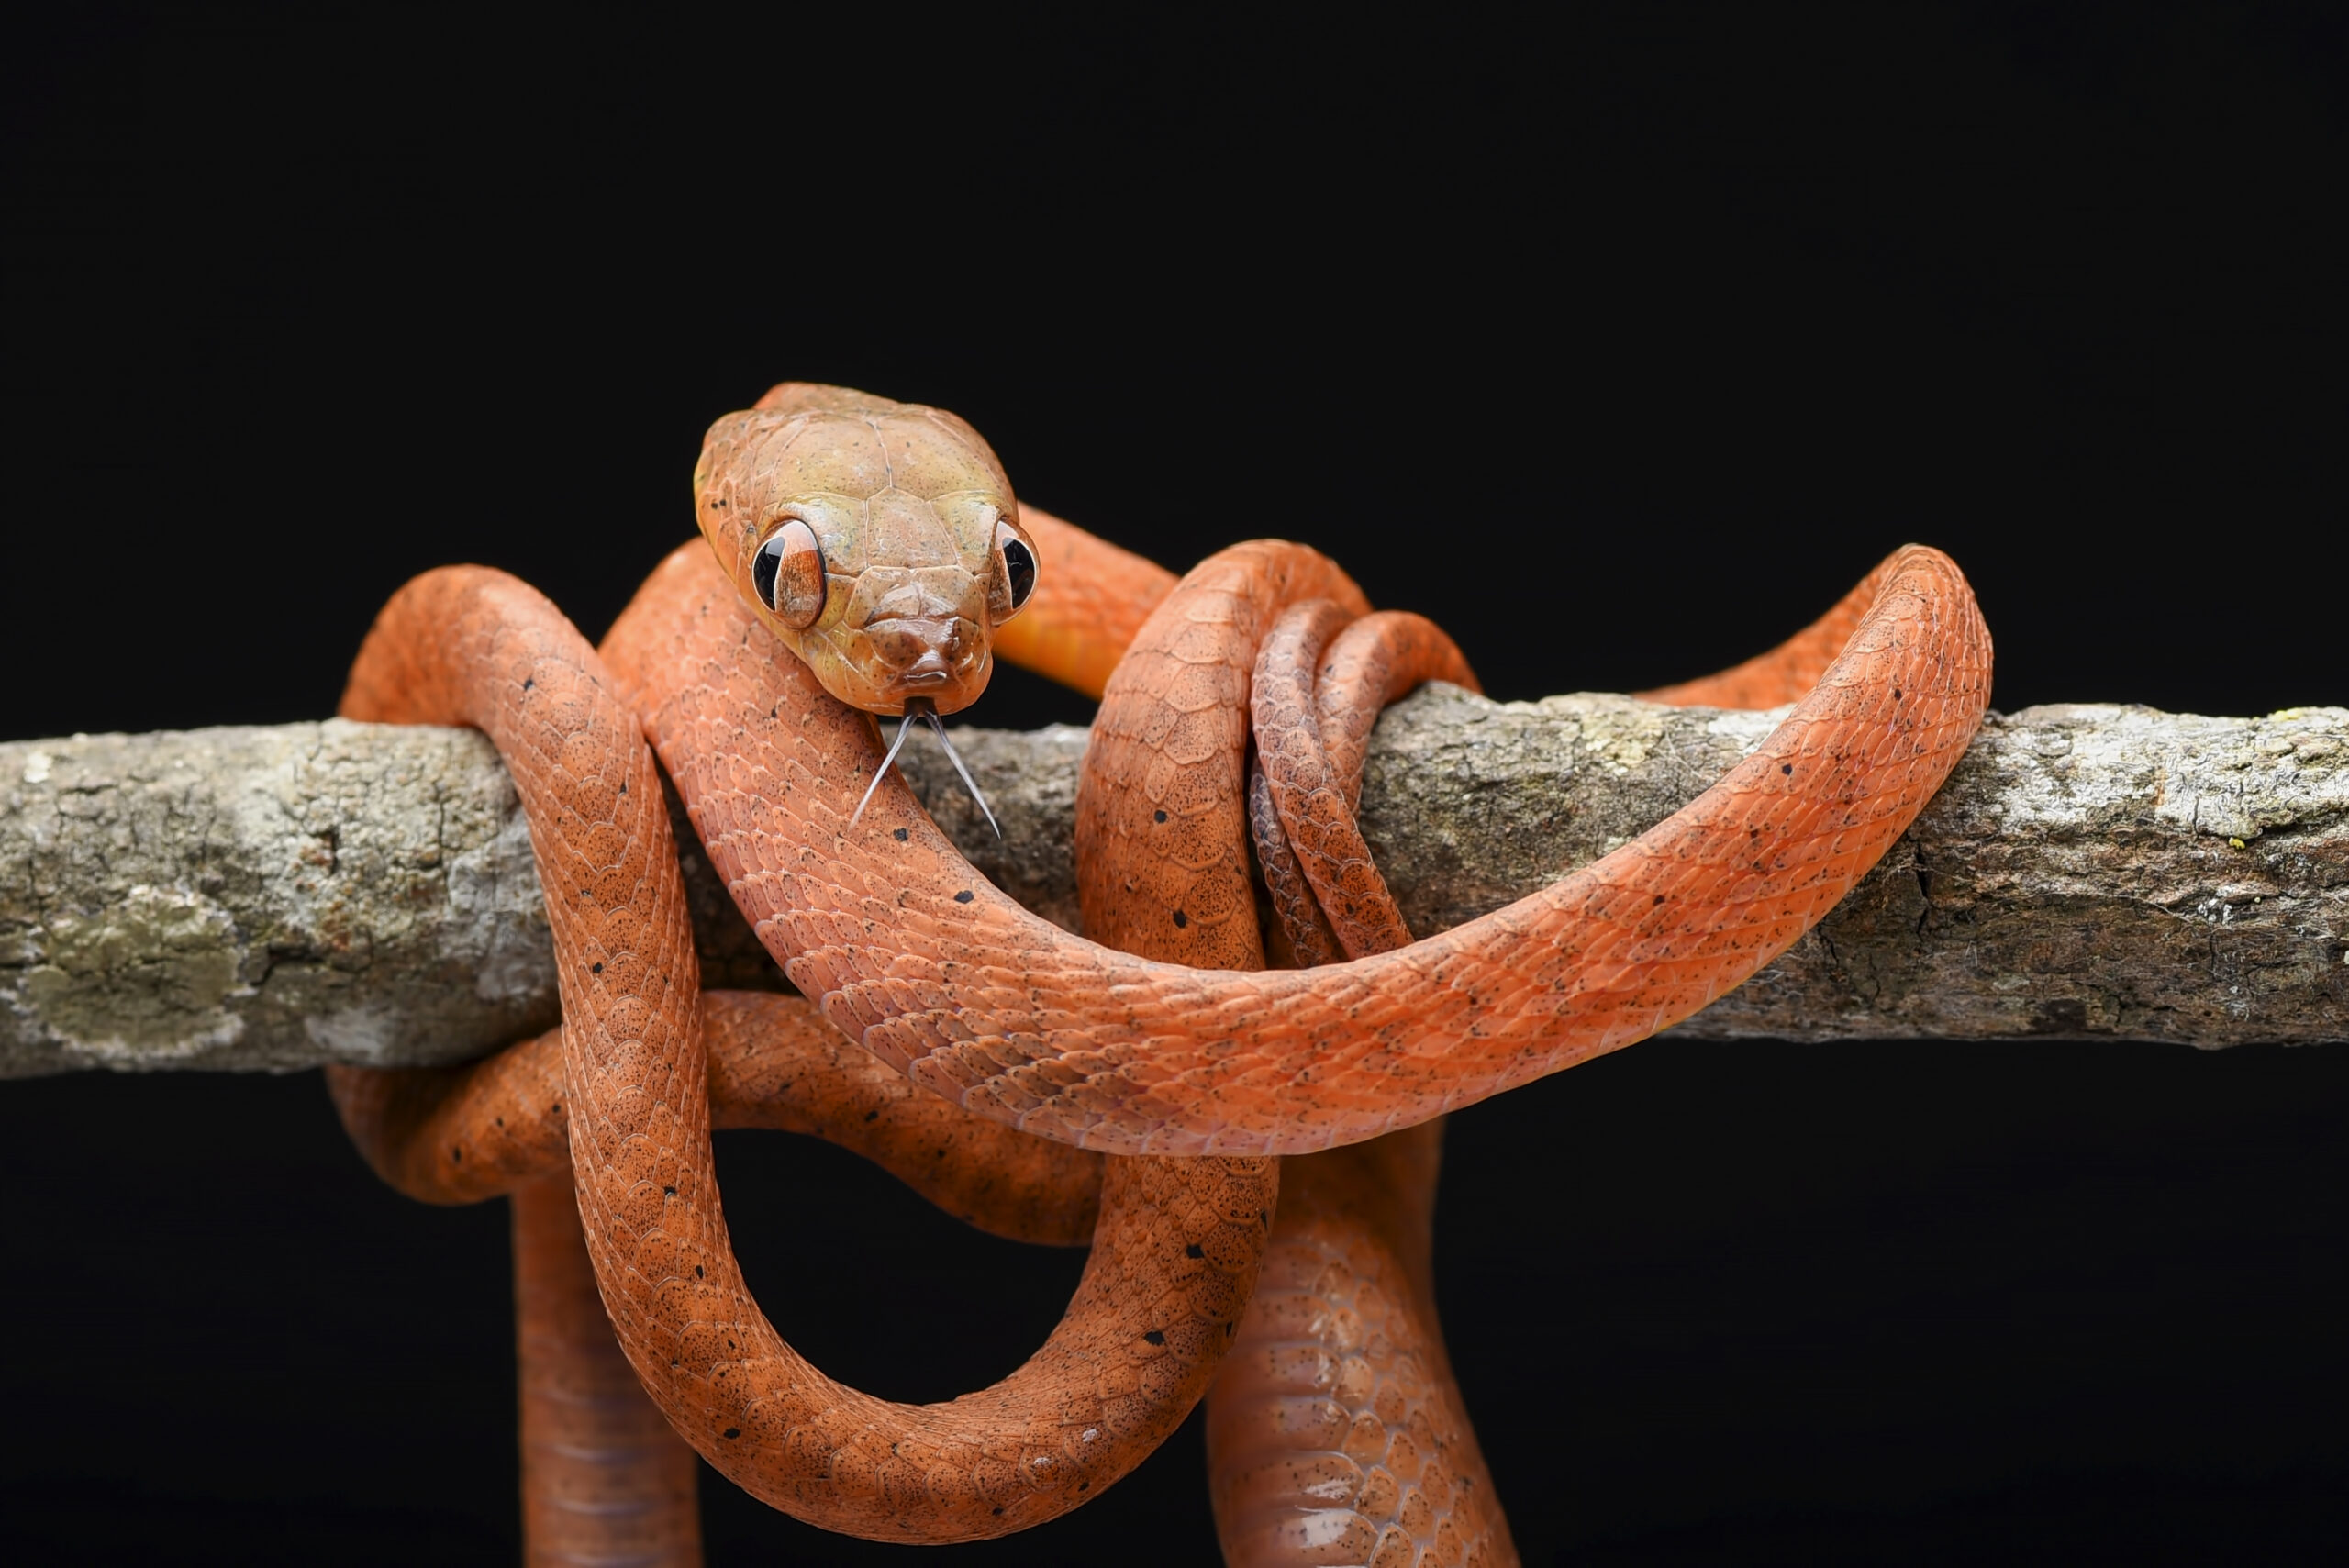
pixel 881 542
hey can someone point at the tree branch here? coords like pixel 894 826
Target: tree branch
pixel 278 898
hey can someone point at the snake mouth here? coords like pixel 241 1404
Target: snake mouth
pixel 939 659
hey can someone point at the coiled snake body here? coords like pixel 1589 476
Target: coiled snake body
pixel 881 545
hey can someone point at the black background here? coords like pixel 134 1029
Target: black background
pixel 1620 347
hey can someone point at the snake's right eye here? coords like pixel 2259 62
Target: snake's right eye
pixel 789 572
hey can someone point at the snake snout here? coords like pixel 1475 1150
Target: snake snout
pixel 924 654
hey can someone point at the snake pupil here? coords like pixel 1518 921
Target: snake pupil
pixel 763 567
pixel 1020 571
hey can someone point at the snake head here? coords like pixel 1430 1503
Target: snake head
pixel 879 541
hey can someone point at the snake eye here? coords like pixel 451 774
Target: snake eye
pixel 1015 575
pixel 789 572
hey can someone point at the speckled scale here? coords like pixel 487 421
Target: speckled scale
pixel 461 1134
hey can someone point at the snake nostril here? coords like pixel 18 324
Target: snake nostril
pixel 911 645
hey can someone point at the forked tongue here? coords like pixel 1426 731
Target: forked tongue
pixel 925 709
pixel 930 712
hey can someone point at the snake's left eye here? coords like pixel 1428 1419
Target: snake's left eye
pixel 1015 575
pixel 789 572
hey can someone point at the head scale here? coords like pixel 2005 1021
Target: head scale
pixel 879 541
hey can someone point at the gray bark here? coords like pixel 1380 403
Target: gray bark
pixel 273 898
